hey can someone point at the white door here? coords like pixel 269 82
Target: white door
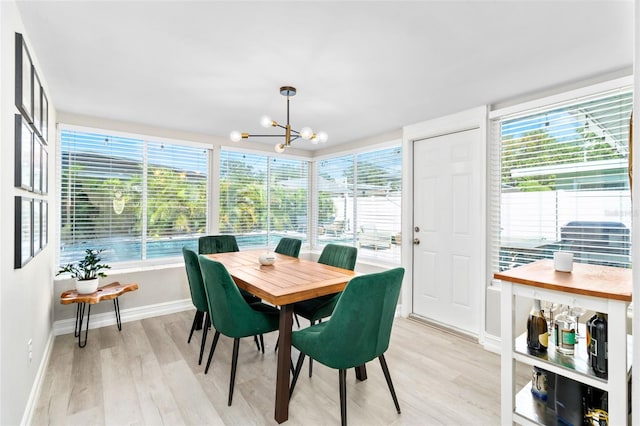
pixel 447 220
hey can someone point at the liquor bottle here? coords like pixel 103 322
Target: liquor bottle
pixel 539 384
pixel 537 331
pixel 565 332
pixel 597 344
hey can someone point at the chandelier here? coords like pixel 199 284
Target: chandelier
pixel 290 134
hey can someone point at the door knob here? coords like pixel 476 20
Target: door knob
pixel 416 241
pixel 417 229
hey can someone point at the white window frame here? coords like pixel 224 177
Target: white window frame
pixel 124 266
pixel 494 162
pixel 313 176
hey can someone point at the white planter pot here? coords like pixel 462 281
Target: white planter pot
pixel 87 286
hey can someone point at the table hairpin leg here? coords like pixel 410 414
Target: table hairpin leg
pixel 116 307
pixel 79 319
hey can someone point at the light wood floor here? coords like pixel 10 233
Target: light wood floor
pixel 147 374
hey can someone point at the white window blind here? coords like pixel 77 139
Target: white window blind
pixel 176 203
pixel 359 202
pixel 262 199
pixel 135 199
pixel 564 182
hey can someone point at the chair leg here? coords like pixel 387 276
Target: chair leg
pixel 262 342
pixel 311 359
pixel 296 373
pixel 205 329
pixel 255 339
pixel 385 370
pixel 277 341
pixel 193 326
pixel 297 320
pixel 234 364
pixel 342 376
pixel 213 348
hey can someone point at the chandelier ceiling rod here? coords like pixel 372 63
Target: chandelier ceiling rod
pixel 290 134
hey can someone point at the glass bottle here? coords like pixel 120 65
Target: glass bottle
pixel 537 330
pixel 565 333
pixel 539 387
pixel 597 344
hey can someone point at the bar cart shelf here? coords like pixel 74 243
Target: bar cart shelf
pixel 597 288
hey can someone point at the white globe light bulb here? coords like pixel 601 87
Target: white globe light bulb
pixel 235 136
pixel 266 121
pixel 280 148
pixel 306 133
pixel 322 137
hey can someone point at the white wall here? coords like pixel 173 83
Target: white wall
pixel 26 300
pixel 635 236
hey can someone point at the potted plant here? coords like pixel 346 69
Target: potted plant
pixel 87 271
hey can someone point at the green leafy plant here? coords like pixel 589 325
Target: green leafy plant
pixel 88 268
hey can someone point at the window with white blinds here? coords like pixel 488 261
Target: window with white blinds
pixel 359 202
pixel 136 199
pixel 262 198
pixel 564 182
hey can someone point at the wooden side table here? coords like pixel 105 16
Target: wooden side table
pixel 107 292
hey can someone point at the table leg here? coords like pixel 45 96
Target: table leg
pixel 79 320
pixel 116 308
pixel 284 364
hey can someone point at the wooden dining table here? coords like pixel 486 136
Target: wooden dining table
pixel 287 281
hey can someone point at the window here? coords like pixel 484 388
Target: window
pixel 137 199
pixel 262 198
pixel 359 202
pixel 564 182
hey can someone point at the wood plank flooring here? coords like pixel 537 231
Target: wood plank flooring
pixel 147 374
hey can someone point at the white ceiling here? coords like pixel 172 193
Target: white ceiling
pixel 361 68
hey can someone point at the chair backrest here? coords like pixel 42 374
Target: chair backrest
pixel 229 312
pixel 194 276
pixel 289 246
pixel 210 244
pixel 360 327
pixel 339 256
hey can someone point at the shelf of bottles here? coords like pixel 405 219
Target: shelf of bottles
pixel 520 405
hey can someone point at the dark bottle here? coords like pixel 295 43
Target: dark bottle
pixel 537 331
pixel 597 344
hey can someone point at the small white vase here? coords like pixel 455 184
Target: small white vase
pixel 87 286
pixel 267 259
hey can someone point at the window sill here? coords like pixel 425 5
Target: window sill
pixel 129 268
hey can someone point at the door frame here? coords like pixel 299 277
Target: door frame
pixel 475 118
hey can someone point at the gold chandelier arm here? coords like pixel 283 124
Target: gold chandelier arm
pixel 264 136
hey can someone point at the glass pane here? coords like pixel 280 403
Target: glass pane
pixel 243 197
pixel 101 195
pixel 335 201
pixel 378 204
pixel 177 198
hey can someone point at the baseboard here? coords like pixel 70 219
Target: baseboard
pixel 34 395
pixel 445 328
pixel 126 315
pixel 492 343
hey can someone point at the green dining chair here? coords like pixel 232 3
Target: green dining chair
pixel 289 246
pixel 321 307
pixel 357 332
pixel 198 296
pixel 210 244
pixel 231 315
